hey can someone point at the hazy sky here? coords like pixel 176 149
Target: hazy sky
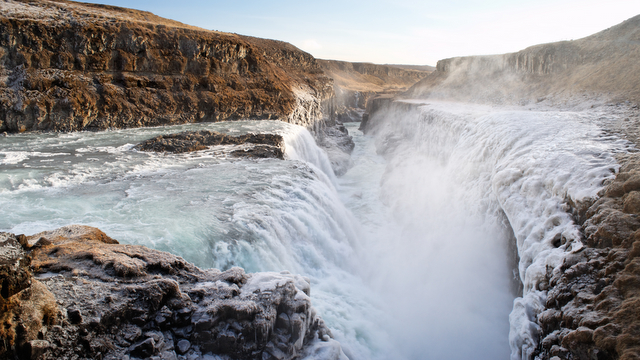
pixel 399 31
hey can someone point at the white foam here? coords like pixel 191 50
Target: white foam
pixel 473 162
pixel 16 157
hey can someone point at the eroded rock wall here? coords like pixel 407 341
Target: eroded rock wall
pixel 592 309
pixel 69 66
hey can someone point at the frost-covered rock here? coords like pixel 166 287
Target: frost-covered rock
pixel 115 301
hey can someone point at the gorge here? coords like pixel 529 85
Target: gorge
pixel 488 212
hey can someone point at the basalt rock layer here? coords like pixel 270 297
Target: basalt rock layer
pixel 92 298
pixel 67 66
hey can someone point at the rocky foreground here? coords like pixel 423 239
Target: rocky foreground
pixel 75 293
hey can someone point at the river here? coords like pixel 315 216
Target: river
pixel 408 252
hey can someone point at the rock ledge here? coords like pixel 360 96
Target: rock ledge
pixel 85 296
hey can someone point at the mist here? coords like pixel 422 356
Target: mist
pixel 461 185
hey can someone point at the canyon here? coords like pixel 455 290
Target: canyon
pixel 68 66
pixel 588 306
pixel 182 185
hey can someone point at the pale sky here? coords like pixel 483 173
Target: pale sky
pixel 399 31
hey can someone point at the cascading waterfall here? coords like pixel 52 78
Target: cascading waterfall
pixel 407 252
pixel 215 211
pixel 458 176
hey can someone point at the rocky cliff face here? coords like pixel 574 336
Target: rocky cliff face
pixel 604 65
pixel 68 66
pixel 356 83
pixel 86 296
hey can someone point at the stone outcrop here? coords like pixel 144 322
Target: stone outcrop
pixel 90 297
pixel 592 308
pixel 67 66
pixel 261 145
pixel 602 66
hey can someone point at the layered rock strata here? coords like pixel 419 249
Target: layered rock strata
pixel 92 298
pixel 356 83
pixel 67 66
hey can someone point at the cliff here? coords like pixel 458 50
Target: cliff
pixel 373 77
pixel 356 83
pixel 604 65
pixel 359 86
pixel 67 66
pixel 77 293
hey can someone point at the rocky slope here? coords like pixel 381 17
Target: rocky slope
pixel 69 66
pixel 356 83
pixel 75 293
pixel 592 308
pixel 603 66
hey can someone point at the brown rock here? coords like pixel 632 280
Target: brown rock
pixel 74 66
pixel 14 267
pixel 632 184
pixel 125 300
pixel 632 202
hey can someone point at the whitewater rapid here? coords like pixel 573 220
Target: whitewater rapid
pixel 407 253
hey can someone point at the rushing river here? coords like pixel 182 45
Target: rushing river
pixel 408 252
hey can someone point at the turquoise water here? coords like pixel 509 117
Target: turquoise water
pixel 406 252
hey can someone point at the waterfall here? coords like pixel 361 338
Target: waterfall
pixel 460 179
pixel 407 253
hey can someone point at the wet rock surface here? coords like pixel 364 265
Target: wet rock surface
pixel 262 145
pixel 92 298
pixel 593 302
pixel 338 144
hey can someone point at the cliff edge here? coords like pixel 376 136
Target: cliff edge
pixel 67 66
pixel 356 83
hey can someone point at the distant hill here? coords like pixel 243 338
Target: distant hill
pixel 605 65
pixel 372 77
pixel 414 67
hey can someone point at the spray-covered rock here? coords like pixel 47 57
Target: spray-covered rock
pixel 115 301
